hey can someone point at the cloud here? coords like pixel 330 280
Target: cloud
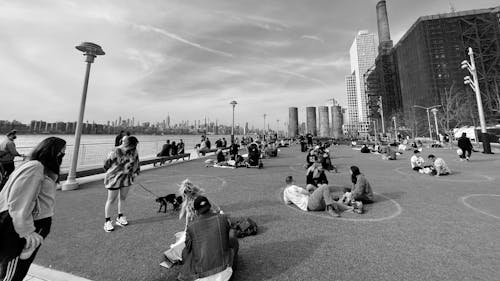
pixel 312 37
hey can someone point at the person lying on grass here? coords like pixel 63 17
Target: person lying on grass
pixel 319 200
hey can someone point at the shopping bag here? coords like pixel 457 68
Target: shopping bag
pixel 175 252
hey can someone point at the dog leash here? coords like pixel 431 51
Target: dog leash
pixel 139 184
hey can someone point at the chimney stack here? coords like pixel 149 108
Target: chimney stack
pixel 384 35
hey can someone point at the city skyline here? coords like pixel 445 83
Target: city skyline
pixel 174 61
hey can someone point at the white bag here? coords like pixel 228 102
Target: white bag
pixel 459 151
pixel 175 252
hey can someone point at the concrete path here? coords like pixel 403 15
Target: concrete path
pixel 40 273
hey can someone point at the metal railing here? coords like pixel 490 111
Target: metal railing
pixel 91 154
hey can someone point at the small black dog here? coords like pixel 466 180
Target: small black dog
pixel 176 202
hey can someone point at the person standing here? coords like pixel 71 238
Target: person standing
pixel 8 152
pixel 27 207
pixel 122 165
pixel 119 137
pixel 466 146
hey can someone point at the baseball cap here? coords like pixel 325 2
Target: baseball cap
pixel 201 203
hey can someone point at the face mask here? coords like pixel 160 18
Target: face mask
pixel 60 158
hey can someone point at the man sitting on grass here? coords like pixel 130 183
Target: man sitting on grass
pixel 417 161
pixel 319 200
pixel 439 166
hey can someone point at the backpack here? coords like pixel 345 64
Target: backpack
pixel 244 227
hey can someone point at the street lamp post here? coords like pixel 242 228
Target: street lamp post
pixel 90 50
pixel 429 116
pixel 474 84
pixel 381 111
pixel 395 128
pixel 434 111
pixel 233 103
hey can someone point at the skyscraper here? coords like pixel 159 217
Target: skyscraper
pixel 362 53
pixel 352 104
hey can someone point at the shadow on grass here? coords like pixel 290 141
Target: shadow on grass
pixel 167 216
pixel 268 260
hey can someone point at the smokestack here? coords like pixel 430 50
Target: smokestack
pixel 384 35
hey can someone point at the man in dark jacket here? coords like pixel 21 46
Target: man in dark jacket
pixel 211 245
pixel 8 152
pixel 466 146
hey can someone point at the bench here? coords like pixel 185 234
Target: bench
pixel 163 159
pixel 99 169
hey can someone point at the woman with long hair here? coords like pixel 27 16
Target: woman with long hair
pixel 122 165
pixel 361 188
pixel 27 206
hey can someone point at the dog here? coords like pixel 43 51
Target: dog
pixel 176 202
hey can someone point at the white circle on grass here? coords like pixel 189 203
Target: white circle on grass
pixel 464 201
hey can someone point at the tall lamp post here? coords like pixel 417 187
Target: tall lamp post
pixel 90 50
pixel 395 128
pixel 428 116
pixel 474 84
pixel 233 103
pixel 434 111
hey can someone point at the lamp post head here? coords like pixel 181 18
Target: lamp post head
pixel 233 103
pixel 434 110
pixel 90 50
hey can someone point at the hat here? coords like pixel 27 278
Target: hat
pixel 201 203
pixel 13 132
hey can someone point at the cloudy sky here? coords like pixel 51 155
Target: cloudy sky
pixel 189 58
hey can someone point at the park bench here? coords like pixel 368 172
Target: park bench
pixel 160 159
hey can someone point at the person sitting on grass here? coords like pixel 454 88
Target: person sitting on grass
pixel 389 153
pixel 311 157
pixel 439 166
pixel 361 188
pixel 211 250
pixel 319 200
pixel 365 149
pixel 417 161
pixel 221 158
pixel 316 176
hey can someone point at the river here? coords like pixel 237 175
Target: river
pixel 95 148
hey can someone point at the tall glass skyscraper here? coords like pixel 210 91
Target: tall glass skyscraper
pixel 363 53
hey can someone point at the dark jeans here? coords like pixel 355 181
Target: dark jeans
pixel 11 246
pixel 8 167
pixel 465 153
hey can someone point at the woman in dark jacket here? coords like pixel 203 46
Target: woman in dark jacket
pixel 361 188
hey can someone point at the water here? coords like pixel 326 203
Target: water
pixel 95 148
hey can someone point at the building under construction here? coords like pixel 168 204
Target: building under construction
pixel 424 67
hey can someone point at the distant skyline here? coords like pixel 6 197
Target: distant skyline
pixel 187 58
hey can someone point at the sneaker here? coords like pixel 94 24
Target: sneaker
pixel 108 226
pixel 332 212
pixel 121 221
pixel 167 264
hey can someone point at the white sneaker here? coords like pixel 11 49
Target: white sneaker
pixel 121 221
pixel 108 226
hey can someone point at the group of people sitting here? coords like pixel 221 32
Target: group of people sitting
pixel 318 195
pixel 170 149
pixel 322 155
pixel 233 159
pixel 388 152
pixel 437 166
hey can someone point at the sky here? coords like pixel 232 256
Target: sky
pixel 187 59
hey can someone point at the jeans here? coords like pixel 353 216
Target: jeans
pixel 321 197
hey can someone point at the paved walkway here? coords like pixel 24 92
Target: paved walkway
pixel 420 228
pixel 40 273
